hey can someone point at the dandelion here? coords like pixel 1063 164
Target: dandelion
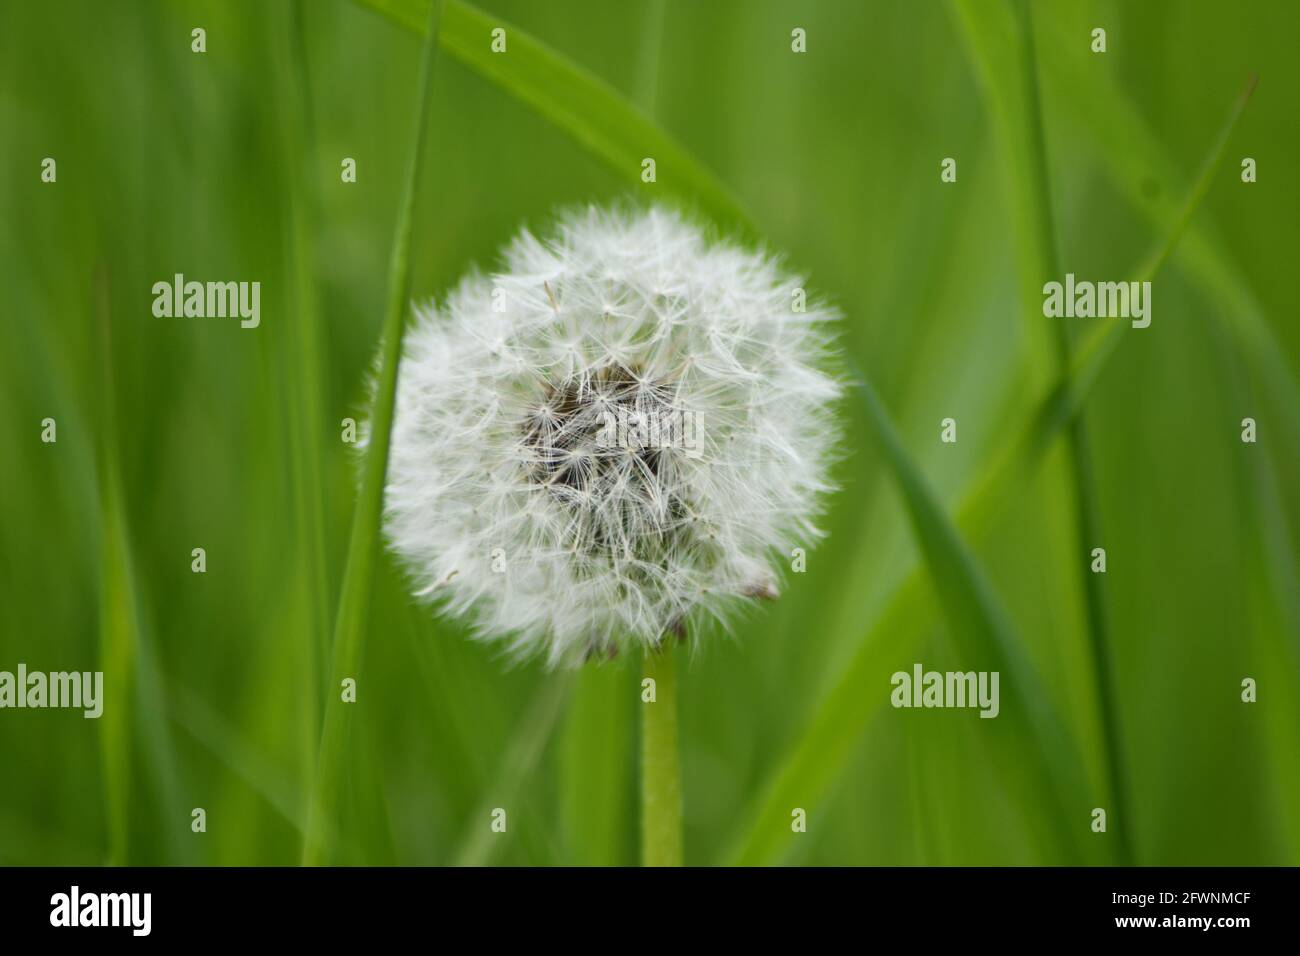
pixel 621 433
pixel 625 430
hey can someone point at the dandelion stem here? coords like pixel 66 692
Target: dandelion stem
pixel 661 783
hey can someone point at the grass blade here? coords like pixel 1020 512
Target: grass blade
pixel 354 600
pixel 806 774
pixel 983 632
pixel 1013 75
pixel 980 626
pixel 303 370
pixel 600 119
pixel 1129 153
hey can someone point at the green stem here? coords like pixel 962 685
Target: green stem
pixel 661 783
pixel 354 597
pixel 1079 456
pixel 303 370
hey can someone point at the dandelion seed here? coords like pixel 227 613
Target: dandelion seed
pixel 538 433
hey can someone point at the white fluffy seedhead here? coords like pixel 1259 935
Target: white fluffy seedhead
pixel 626 427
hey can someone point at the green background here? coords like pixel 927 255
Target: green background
pixel 171 161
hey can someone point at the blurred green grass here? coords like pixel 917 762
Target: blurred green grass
pixel 170 162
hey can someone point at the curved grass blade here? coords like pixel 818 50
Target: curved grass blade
pixel 1005 51
pixel 1129 153
pixel 1095 349
pixel 354 599
pixel 982 630
pixel 600 119
pixel 806 774
pixel 979 626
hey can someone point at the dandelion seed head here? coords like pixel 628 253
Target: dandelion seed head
pixel 624 429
